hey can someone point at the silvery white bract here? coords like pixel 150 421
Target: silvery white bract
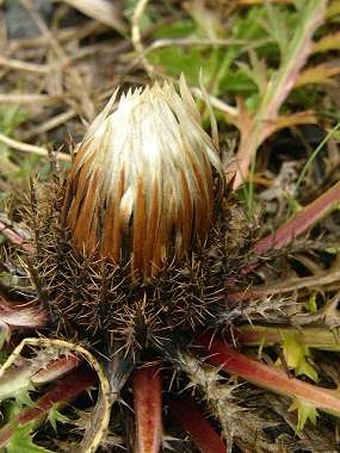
pixel 141 184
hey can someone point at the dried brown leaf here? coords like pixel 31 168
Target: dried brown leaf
pixel 102 11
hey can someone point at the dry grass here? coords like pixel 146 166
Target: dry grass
pixel 61 76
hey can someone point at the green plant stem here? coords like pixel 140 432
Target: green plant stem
pixel 253 335
pixel 64 391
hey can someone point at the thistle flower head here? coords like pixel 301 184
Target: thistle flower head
pixel 141 186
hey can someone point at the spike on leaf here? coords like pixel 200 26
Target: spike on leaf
pixel 296 356
pixel 305 412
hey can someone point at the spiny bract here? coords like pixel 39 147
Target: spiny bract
pixel 137 242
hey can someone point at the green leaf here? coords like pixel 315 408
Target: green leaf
pixel 10 118
pixel 16 385
pixel 249 26
pixel 311 305
pixel 238 82
pixel 305 412
pixel 293 205
pixel 54 416
pixel 174 61
pixel 179 29
pixel 276 26
pixel 296 356
pixel 220 72
pixel 22 442
pixel 23 397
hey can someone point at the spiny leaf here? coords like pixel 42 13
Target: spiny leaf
pixel 305 412
pixel 296 356
pixel 55 416
pixel 21 441
pixel 311 305
pixel 313 337
pixel 302 221
pixel 16 385
pixel 23 396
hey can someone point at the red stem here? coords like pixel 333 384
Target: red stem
pixel 147 392
pixel 15 238
pixel 297 225
pixel 18 314
pixel 269 377
pixel 67 389
pixel 191 419
pixel 303 220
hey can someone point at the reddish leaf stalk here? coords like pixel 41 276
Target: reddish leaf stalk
pixel 21 315
pixel 303 220
pixel 67 389
pixel 190 418
pixel 300 223
pixel 147 391
pixel 15 238
pixel 269 377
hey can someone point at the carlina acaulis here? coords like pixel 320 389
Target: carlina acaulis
pixel 136 246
